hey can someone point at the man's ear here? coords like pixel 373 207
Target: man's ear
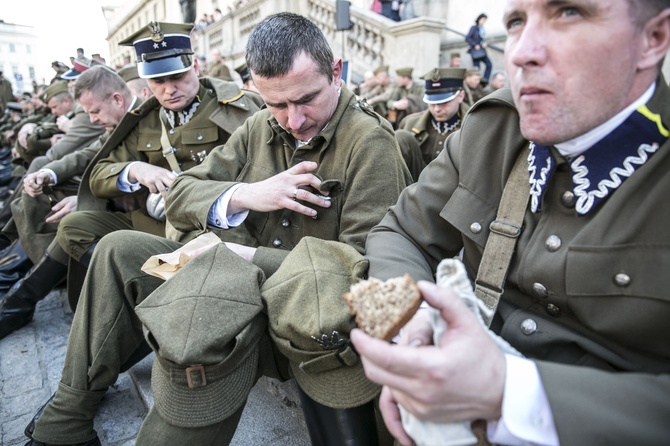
pixel 337 70
pixel 656 40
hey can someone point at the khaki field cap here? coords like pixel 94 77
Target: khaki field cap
pixel 56 88
pixel 129 72
pixel 205 325
pixel 406 72
pixel 443 84
pixel 382 69
pixel 162 49
pixel 310 322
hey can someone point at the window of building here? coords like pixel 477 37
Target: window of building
pixel 12 47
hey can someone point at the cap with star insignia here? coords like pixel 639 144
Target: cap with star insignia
pixel 443 84
pixel 162 49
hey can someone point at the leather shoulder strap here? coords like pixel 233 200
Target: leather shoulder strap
pixel 505 230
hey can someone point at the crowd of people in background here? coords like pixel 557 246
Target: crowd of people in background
pixel 550 190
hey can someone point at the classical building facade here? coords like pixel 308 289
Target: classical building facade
pixel 18 46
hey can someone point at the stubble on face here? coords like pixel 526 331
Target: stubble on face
pixel 563 83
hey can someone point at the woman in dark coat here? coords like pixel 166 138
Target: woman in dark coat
pixel 476 39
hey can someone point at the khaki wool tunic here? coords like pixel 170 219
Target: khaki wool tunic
pixel 586 297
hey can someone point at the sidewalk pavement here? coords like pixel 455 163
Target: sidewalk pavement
pixel 31 361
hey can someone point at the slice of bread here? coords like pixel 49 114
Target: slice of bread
pixel 383 308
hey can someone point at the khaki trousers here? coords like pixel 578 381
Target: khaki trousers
pixel 81 229
pixel 105 332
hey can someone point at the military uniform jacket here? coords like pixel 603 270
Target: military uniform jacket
pixel 358 162
pixel 586 297
pixel 430 142
pixel 219 71
pixel 223 107
pixel 81 134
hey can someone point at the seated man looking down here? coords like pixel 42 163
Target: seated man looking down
pixel 315 163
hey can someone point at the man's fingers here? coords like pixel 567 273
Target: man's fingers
pixel 391 414
pixel 303 167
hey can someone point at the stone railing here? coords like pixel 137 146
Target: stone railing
pixel 372 41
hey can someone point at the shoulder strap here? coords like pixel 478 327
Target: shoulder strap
pixel 168 150
pixel 505 231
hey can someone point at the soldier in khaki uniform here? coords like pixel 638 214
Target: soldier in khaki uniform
pixel 191 116
pixel 379 95
pixel 315 163
pixel 585 296
pixel 36 215
pixel 217 68
pixel 81 131
pixel 421 136
pixel 406 97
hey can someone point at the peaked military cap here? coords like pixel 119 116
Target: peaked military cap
pixel 244 72
pixel 52 90
pixel 443 84
pixel 129 72
pixel 406 72
pixel 162 49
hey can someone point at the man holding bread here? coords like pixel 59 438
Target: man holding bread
pixel 585 296
pixel 315 164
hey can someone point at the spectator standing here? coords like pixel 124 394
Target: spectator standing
pixel 391 9
pixel 476 38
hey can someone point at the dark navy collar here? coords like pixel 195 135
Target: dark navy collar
pixel 600 170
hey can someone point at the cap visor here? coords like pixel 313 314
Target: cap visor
pixel 440 98
pixel 164 67
pixel 70 74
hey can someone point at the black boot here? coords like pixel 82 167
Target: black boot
pixel 355 426
pixel 18 305
pixel 14 264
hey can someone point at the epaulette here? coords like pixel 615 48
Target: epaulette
pixel 362 104
pixel 233 99
pixel 415 130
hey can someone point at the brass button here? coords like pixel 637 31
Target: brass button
pixel 528 326
pixel 112 170
pixel 568 199
pixel 276 243
pixel 553 310
pixel 148 145
pixel 476 228
pixel 553 243
pixel 540 290
pixel 171 131
pixel 622 279
pixel 286 223
pixel 199 138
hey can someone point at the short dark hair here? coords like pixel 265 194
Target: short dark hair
pixel 101 81
pixel 479 17
pixel 275 43
pixel 643 10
